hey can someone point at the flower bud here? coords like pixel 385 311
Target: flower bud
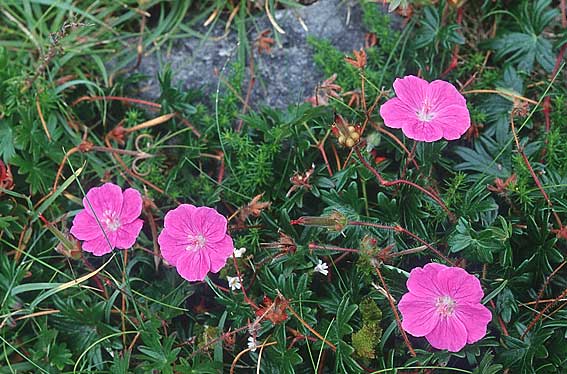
pixel 336 221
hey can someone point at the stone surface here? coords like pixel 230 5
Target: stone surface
pixel 285 77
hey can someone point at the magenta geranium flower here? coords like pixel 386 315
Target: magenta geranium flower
pixel 194 240
pixel 443 304
pixel 426 111
pixel 116 211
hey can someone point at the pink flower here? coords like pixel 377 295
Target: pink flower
pixel 116 211
pixel 194 240
pixel 426 111
pixel 443 304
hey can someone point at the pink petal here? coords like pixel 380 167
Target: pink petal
pixel 396 114
pixel 219 252
pixel 450 334
pixel 475 318
pixel 453 120
pixel 419 314
pixel 131 206
pixel 171 247
pixel 85 227
pixel 423 131
pixel 422 282
pixel 128 233
pixel 107 197
pixel 412 91
pixel 178 221
pixel 210 224
pixel 460 285
pixel 194 265
pixel 434 266
pixel 99 246
pixel 442 94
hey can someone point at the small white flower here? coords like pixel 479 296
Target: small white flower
pixel 322 268
pixel 239 252
pixel 252 344
pixel 234 283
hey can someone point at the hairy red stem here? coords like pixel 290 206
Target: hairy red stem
pixel 395 311
pixel 400 229
pixel 385 183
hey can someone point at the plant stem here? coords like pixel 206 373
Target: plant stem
pixel 400 229
pixel 386 183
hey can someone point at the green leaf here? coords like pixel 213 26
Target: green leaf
pixel 344 313
pixel 528 45
pixel 436 34
pixel 482 158
pixel 38 173
pixel 7 149
pixel 506 304
pixel 479 245
pixel 486 366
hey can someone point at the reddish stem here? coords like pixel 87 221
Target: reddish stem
pixel 547 281
pixel 385 183
pixel 395 311
pixel 400 229
pixel 116 98
pixel 533 174
pixel 542 312
pixel 331 248
pixel 500 321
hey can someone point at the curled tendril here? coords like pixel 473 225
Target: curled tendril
pixel 142 154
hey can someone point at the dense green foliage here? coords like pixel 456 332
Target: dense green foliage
pixel 65 311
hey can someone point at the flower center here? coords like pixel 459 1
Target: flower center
pixel 196 242
pixel 425 114
pixel 445 306
pixel 111 220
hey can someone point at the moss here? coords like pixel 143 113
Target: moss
pixel 366 340
pixel 380 23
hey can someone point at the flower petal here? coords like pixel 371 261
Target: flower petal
pixel 178 222
pixel 171 247
pixel 99 246
pixel 419 314
pixel 450 334
pixel 441 94
pixel 454 121
pixel 194 265
pixel 131 206
pixel 423 131
pixel 397 114
pixel 219 252
pixel 475 318
pixel 85 227
pixel 209 223
pixel 422 281
pixel 128 233
pixel 107 197
pixel 460 285
pixel 412 91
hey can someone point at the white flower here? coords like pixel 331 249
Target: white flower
pixel 234 283
pixel 239 252
pixel 321 267
pixel 252 344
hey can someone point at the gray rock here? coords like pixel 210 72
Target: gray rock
pixel 285 77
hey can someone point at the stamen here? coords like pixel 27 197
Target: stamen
pixel 111 220
pixel 425 114
pixel 196 242
pixel 445 306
